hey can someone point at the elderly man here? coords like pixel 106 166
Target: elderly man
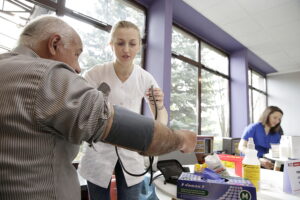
pixel 47 110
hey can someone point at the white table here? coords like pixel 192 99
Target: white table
pixel 269 156
pixel 278 161
pixel 270 187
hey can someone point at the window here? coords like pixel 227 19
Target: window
pixel 92 20
pixel 184 96
pixel 215 92
pixel 214 59
pixel 185 44
pixel 215 114
pixel 257 94
pixel 96 49
pixel 200 87
pixel 214 105
pixel 107 12
pixel 13 16
pixel 184 83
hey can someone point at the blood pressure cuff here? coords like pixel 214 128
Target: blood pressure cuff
pixel 130 130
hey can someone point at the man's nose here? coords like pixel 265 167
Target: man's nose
pixel 77 68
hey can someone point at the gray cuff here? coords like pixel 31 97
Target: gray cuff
pixel 130 130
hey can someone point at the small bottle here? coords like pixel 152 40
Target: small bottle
pixel 250 144
pixel 284 148
pixel 251 164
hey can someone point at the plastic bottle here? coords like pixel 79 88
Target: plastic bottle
pixel 213 162
pixel 284 148
pixel 251 164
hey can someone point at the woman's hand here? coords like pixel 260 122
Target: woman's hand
pixel 158 95
pixel 266 163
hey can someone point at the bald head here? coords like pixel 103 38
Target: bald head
pixel 52 38
pixel 42 28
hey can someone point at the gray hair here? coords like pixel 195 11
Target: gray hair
pixel 42 28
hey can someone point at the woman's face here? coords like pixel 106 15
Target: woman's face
pixel 274 119
pixel 125 45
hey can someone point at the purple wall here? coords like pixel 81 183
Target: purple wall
pixel 258 64
pixel 239 92
pixel 158 55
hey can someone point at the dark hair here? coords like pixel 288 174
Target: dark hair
pixel 264 118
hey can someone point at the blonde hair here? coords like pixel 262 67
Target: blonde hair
pixel 42 28
pixel 123 24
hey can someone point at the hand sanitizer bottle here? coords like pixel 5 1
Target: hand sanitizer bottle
pixel 251 164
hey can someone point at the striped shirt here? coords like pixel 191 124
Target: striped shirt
pixel 46 111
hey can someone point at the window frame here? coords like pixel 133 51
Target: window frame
pixel 60 9
pixel 24 9
pixel 201 67
pixel 251 89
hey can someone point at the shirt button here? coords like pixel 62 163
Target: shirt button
pixel 121 104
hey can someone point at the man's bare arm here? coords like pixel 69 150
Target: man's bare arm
pixel 164 139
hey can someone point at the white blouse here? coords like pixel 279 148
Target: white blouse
pixel 98 166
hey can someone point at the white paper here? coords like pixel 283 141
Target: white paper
pixel 291 181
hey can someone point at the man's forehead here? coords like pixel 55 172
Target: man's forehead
pixel 78 42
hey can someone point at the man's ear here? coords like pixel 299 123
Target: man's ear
pixel 53 43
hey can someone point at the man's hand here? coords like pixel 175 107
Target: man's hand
pixel 166 140
pixel 189 141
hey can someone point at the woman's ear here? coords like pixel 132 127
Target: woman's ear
pixel 111 46
pixel 53 43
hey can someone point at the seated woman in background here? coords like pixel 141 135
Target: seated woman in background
pixel 264 133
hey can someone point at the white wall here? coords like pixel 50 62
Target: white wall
pixel 284 92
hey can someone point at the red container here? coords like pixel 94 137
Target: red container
pixel 113 188
pixel 230 161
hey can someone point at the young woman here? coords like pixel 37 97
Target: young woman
pixel 264 132
pixel 129 84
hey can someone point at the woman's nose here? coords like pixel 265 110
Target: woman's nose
pixel 126 48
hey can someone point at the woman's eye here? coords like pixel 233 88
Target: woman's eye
pixel 120 44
